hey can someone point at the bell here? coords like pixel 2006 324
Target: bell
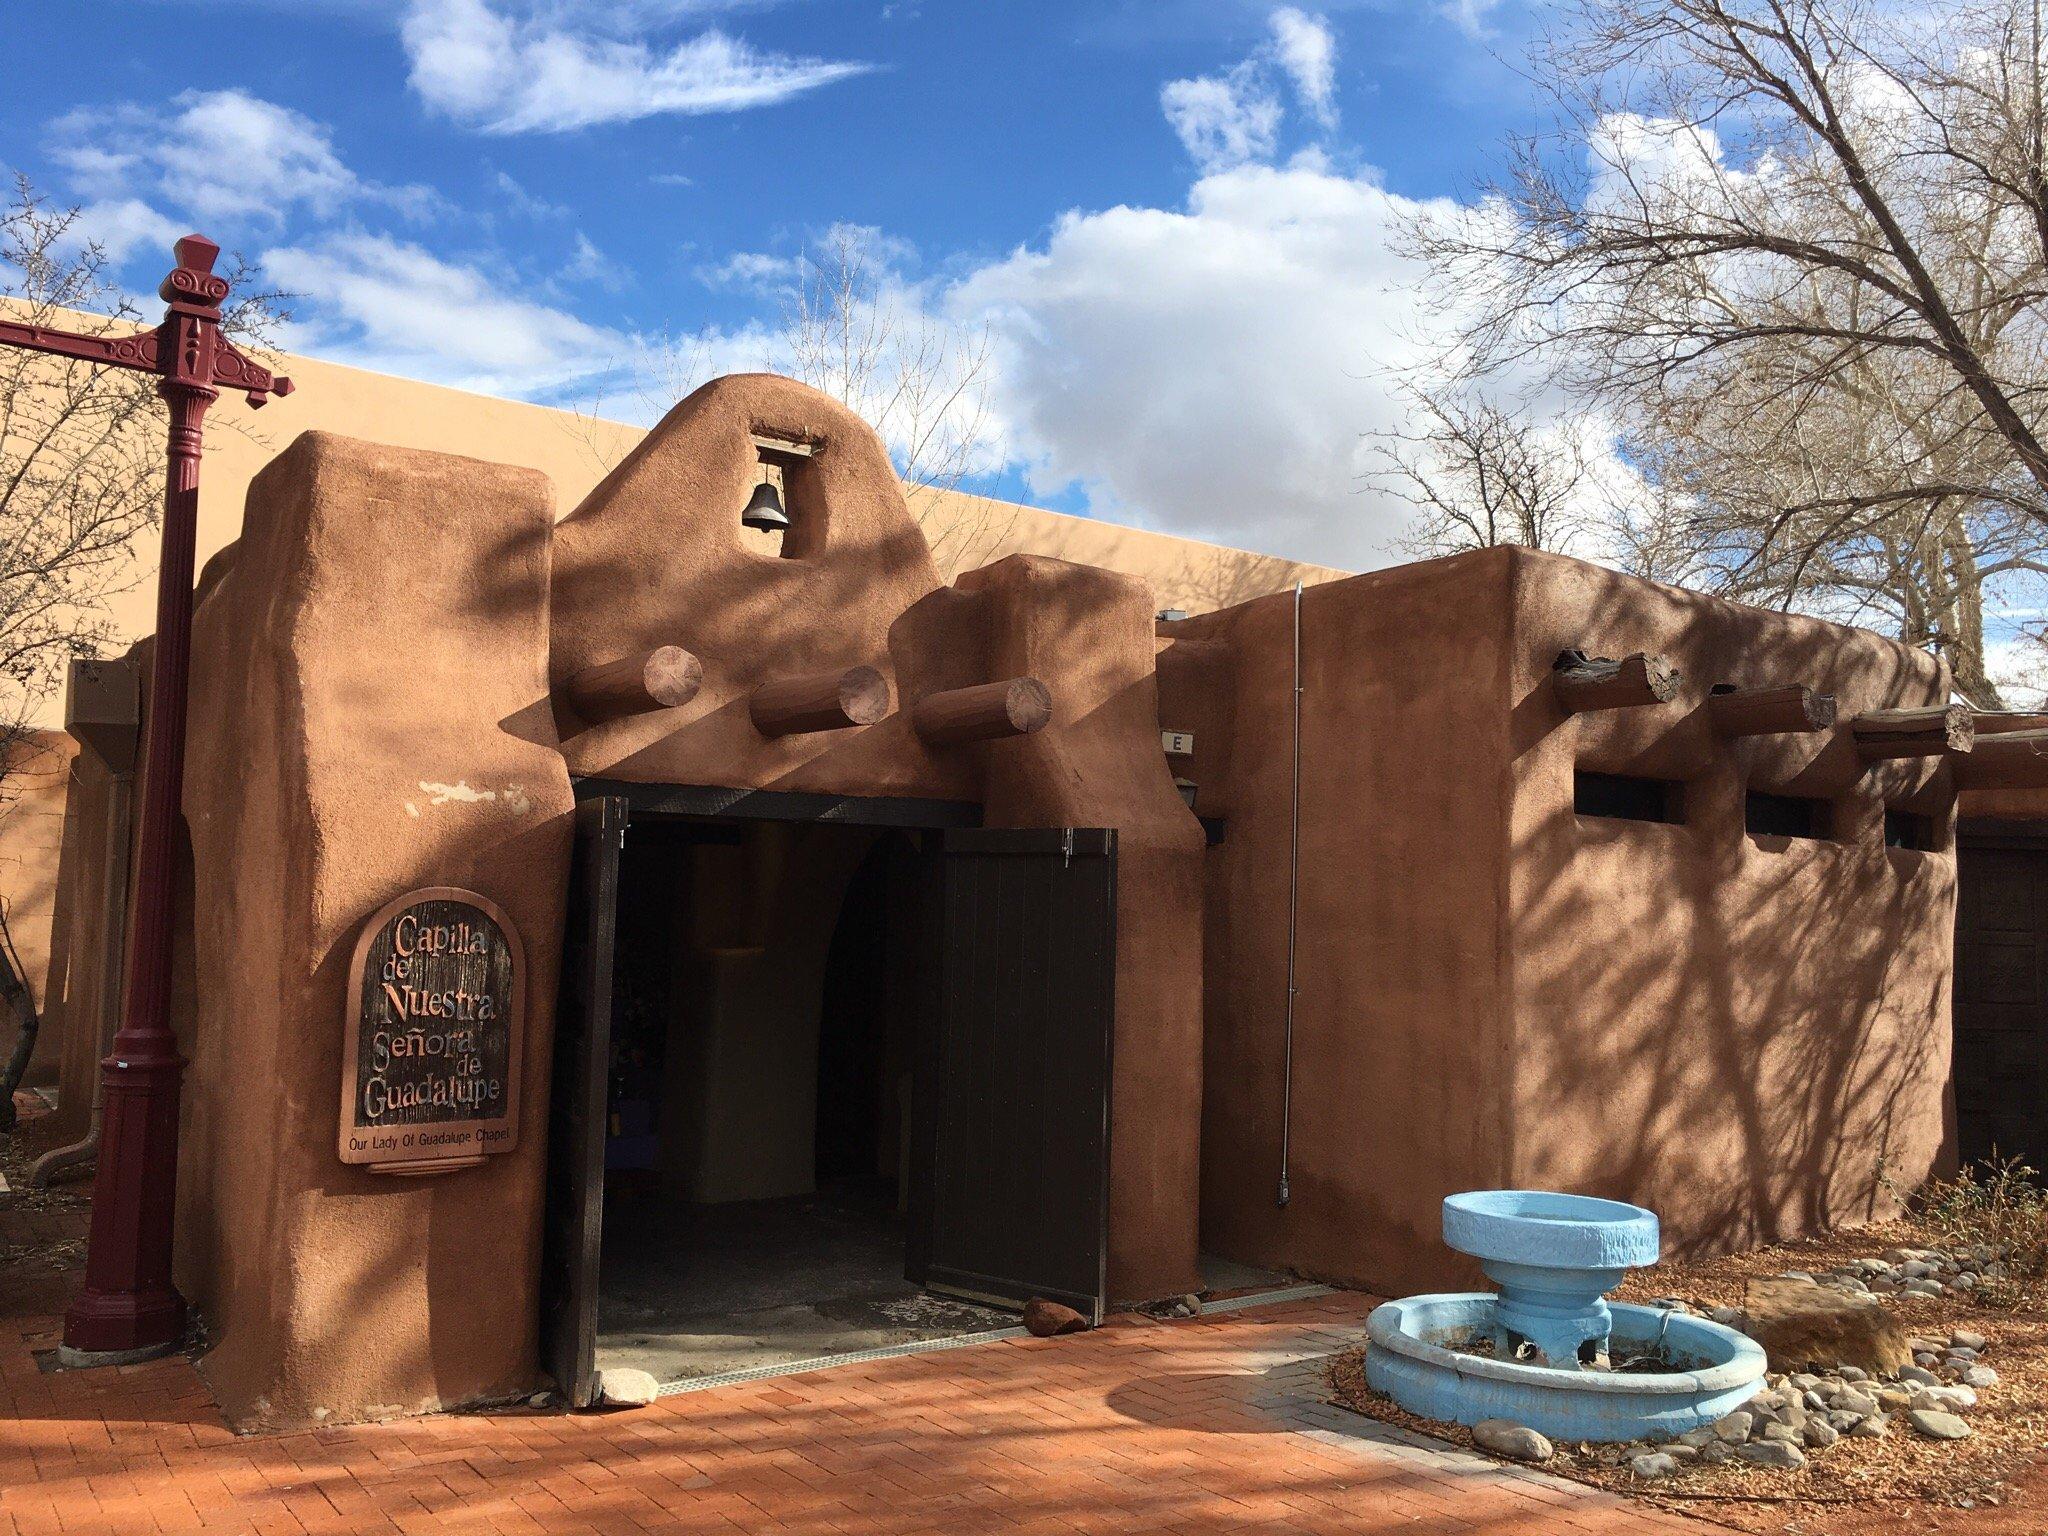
pixel 765 510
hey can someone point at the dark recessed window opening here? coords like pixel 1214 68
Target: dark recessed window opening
pixel 1908 829
pixel 1784 815
pixel 1622 797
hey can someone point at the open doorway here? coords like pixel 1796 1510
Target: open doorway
pixel 830 1076
pixel 758 1101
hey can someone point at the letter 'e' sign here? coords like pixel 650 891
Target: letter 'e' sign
pixel 430 1059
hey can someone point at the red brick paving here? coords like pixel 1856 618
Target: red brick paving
pixel 1179 1429
pixel 1141 1427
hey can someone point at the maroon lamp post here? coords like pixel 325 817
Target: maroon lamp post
pixel 129 1308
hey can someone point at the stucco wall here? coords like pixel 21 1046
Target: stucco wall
pixel 369 716
pixel 1399 1086
pixel 576 450
pixel 1740 1031
pixel 655 556
pixel 1495 991
pixel 32 838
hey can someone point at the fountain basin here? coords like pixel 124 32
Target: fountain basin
pixel 1412 1356
pixel 1554 1257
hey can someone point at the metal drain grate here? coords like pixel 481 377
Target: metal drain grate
pixel 1269 1298
pixel 958 1341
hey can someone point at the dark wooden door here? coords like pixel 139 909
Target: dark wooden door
pixel 1012 1094
pixel 2001 994
pixel 576 1106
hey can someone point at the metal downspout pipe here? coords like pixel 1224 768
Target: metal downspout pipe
pixel 1293 915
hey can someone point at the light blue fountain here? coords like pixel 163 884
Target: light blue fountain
pixel 1553 1333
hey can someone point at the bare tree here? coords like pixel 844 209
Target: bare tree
pixel 1481 472
pixel 848 326
pixel 81 458
pixel 1802 267
pixel 918 379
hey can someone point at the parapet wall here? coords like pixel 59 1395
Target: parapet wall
pixel 1740 1031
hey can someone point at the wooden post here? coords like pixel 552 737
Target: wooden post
pixel 1585 683
pixel 1931 732
pixel 1016 707
pixel 666 677
pixel 1770 711
pixel 2006 760
pixel 820 701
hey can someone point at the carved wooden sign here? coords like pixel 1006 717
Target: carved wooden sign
pixel 430 1061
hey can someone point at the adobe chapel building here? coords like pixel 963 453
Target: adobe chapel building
pixel 557 886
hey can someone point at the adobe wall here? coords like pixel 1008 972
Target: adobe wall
pixel 369 715
pixel 1399 1083
pixel 33 835
pixel 656 556
pixel 1739 1031
pixel 1496 992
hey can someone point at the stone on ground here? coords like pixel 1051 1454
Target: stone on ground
pixel 1735 1427
pixel 1043 1319
pixel 1963 1339
pixel 1781 1454
pixel 1515 1441
pixel 1936 1425
pixel 1802 1325
pixel 625 1387
pixel 1655 1464
pixel 1980 1376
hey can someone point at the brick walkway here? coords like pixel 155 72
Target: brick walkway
pixel 1207 1426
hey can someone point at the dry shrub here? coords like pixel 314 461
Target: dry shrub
pixel 1999 1202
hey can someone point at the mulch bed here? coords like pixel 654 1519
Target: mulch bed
pixel 1856 1487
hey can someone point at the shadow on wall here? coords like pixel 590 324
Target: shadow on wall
pixel 1746 1032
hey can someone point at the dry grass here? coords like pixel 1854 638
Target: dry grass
pixel 1857 1485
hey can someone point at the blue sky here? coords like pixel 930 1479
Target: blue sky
pixel 1172 220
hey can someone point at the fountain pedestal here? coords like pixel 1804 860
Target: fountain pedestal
pixel 1554 1257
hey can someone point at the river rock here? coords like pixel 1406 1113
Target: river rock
pixel 1807 1325
pixel 1820 1434
pixel 1780 1454
pixel 1936 1425
pixel 1876 1427
pixel 1735 1427
pixel 1919 1375
pixel 1653 1465
pixel 1963 1339
pixel 1518 1442
pixel 625 1387
pixel 1044 1319
pixel 1980 1376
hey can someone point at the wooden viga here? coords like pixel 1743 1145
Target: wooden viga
pixel 1782 709
pixel 1582 683
pixel 666 677
pixel 1937 730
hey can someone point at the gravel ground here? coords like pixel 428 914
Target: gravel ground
pixel 1856 1487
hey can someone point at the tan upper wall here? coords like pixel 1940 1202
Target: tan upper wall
pixel 576 451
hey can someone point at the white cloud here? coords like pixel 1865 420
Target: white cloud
pixel 1308 53
pixel 1223 120
pixel 1214 370
pixel 1471 16
pixel 1234 118
pixel 557 69
pixel 124 227
pixel 224 156
pixel 389 305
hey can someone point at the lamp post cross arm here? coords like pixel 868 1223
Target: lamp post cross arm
pixel 187 350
